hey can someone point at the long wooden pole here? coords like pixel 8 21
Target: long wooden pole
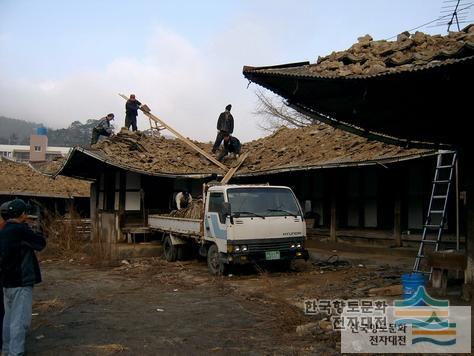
pixel 232 171
pixel 181 137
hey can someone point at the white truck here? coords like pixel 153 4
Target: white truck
pixel 240 224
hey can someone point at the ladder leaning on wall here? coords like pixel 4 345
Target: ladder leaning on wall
pixel 436 216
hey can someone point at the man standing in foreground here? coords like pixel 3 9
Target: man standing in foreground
pixel 225 125
pixel 3 221
pixel 131 111
pixel 19 272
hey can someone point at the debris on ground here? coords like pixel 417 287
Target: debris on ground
pixel 331 263
pixel 393 290
pixel 269 303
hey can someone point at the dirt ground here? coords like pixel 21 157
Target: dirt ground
pixel 149 306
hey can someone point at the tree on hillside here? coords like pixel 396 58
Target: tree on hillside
pixel 275 113
pixel 13 139
pixel 77 134
pixel 22 130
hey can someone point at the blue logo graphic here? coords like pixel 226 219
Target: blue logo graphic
pixel 428 318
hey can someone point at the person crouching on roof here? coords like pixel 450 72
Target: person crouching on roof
pixel 231 146
pixel 102 128
pixel 19 273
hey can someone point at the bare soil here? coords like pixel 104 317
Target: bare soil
pixel 149 307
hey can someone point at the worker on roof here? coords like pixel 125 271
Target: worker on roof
pixel 102 128
pixel 131 112
pixel 225 125
pixel 231 147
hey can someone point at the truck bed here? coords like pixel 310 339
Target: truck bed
pixel 182 226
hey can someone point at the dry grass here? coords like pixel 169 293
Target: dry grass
pixel 107 349
pixel 44 306
pixel 65 234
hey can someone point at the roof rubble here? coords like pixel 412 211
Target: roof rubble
pixel 285 149
pixel 409 51
pixel 21 179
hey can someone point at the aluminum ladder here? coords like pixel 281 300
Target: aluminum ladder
pixel 436 217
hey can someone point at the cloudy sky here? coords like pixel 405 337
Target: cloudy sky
pixel 62 61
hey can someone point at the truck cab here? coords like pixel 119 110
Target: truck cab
pixel 252 223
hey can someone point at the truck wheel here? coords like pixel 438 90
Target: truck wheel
pixel 170 252
pixel 216 266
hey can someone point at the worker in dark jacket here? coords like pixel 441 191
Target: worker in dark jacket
pixel 131 112
pixel 19 273
pixel 225 125
pixel 3 221
pixel 231 145
pixel 102 128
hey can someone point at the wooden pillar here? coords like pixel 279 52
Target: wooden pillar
pixel 469 274
pixel 465 165
pixel 94 196
pixel 397 221
pixel 333 223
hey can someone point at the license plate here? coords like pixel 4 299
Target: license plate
pixel 272 255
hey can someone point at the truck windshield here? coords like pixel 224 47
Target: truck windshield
pixel 263 202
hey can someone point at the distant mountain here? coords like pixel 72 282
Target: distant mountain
pixel 17 132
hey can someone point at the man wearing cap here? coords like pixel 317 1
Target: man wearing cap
pixel 102 128
pixel 3 218
pixel 19 272
pixel 131 111
pixel 225 125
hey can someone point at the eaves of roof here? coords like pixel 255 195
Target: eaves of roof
pixel 381 162
pixel 301 70
pixel 36 194
pixel 110 162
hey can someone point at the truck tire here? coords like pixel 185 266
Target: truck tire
pixel 215 265
pixel 170 252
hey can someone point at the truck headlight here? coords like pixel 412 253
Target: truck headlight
pixel 236 248
pixel 298 245
pixel 292 246
pixel 244 248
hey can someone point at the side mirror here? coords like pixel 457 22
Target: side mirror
pixel 225 209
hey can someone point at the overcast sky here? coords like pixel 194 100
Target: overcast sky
pixel 62 61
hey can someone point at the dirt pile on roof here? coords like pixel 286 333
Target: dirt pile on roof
pixel 49 167
pixel 315 145
pixel 155 154
pixel 409 51
pixel 21 179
